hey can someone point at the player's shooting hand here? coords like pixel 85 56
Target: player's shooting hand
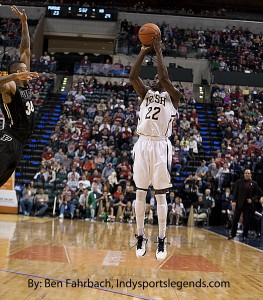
pixel 21 14
pixel 157 43
pixel 26 75
pixel 146 49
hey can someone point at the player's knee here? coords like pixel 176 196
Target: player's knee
pixel 161 200
pixel 141 195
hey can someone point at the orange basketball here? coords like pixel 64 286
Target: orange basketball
pixel 147 32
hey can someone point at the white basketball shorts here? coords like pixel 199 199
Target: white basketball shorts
pixel 152 163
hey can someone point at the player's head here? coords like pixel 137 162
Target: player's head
pixel 157 84
pixel 16 66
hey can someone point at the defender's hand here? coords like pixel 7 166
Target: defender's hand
pixel 21 14
pixel 26 75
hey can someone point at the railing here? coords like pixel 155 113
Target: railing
pixel 101 69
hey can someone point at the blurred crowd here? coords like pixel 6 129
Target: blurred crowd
pixel 230 49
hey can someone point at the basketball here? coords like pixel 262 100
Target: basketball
pixel 147 32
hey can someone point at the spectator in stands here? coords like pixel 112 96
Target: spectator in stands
pixel 91 206
pixel 202 170
pixel 184 125
pixel 59 156
pixel 92 148
pixel 44 61
pixel 176 211
pixel 67 206
pixel 200 210
pixel 208 199
pixel 53 65
pixel 81 153
pixel 39 177
pixel 226 201
pixel 113 182
pixel 47 155
pixel 124 171
pixel 193 149
pixel 41 202
pixel 50 175
pixel 176 163
pixel 118 205
pixel 72 183
pixel 107 214
pixel 128 214
pixel 107 171
pixel 26 201
pixel 223 176
pixel 112 159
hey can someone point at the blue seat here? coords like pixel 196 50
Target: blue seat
pixel 27 156
pixel 43 142
pixel 180 178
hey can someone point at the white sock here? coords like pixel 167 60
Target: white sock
pixel 140 206
pixel 162 214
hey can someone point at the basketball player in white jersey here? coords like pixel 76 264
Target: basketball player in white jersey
pixel 153 150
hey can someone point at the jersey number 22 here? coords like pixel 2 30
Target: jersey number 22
pixel 152 113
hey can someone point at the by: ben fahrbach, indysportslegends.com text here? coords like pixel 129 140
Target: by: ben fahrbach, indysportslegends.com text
pixel 130 284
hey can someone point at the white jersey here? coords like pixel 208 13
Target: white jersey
pixel 156 115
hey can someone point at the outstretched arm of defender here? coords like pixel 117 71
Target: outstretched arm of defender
pixel 135 80
pixel 163 73
pixel 6 80
pixel 25 38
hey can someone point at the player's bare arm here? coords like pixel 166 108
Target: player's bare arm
pixel 7 83
pixel 163 73
pixel 135 80
pixel 25 38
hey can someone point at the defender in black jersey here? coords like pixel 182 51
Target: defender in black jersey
pixel 16 105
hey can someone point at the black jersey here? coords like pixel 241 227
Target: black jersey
pixel 19 113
